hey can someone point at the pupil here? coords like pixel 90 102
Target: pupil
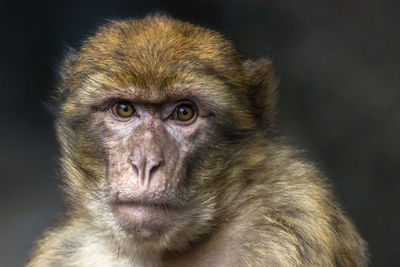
pixel 125 108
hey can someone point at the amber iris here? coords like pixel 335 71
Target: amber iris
pixel 123 109
pixel 184 113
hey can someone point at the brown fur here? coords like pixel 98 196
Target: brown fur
pixel 254 200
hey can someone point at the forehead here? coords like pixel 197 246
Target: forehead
pixel 157 55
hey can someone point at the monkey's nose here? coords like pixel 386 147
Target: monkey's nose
pixel 145 169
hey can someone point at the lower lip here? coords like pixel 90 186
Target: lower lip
pixel 143 215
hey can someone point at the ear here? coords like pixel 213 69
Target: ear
pixel 69 59
pixel 262 91
pixel 61 91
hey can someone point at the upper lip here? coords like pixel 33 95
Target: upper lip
pixel 160 204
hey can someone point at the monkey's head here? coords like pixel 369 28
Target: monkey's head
pixel 153 115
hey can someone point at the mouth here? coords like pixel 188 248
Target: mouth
pixel 147 217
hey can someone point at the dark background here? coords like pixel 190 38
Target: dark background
pixel 338 65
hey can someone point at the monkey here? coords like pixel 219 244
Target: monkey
pixel 170 155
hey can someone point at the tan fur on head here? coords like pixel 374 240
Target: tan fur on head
pixel 149 190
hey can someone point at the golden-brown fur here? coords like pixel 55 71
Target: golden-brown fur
pixel 254 200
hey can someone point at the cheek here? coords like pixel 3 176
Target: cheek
pixel 119 129
pixel 118 148
pixel 189 136
pixel 120 171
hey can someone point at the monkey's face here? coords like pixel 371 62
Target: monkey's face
pixel 147 144
pixel 146 109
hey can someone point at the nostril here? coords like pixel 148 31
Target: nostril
pixel 135 168
pixel 134 164
pixel 154 168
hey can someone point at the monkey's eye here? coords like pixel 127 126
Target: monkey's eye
pixel 184 112
pixel 123 109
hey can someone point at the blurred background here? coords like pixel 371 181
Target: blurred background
pixel 338 62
